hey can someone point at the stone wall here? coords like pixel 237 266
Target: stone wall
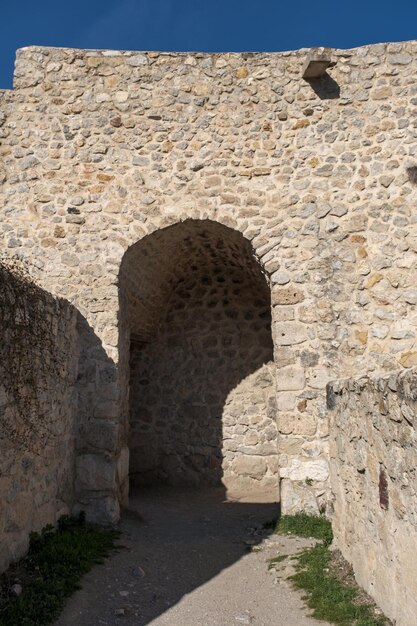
pixel 374 484
pixel 38 366
pixel 101 149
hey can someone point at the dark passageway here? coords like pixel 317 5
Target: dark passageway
pixel 202 401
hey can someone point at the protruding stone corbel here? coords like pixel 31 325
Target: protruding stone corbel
pixel 316 64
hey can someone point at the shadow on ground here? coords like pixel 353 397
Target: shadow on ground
pixel 176 542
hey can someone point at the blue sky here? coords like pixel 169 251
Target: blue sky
pixel 208 25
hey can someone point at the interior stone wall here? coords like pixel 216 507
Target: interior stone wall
pixel 374 485
pixel 202 400
pixel 202 396
pixel 37 412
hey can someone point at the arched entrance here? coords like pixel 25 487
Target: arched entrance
pixel 196 317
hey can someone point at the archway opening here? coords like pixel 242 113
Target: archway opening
pixel 196 316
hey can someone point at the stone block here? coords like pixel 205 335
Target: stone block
pixel 94 472
pixel 287 295
pixel 284 356
pixel 297 498
pixel 289 333
pixel 281 277
pixel 297 424
pixel 316 64
pixel 267 448
pixel 318 378
pixel 286 400
pixel 301 470
pixel 101 435
pixel 103 510
pixel 251 466
pixel 137 60
pixel 290 378
pixel 408 359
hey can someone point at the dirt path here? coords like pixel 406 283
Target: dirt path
pixel 189 563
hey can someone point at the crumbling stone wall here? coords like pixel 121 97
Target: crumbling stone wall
pixel 374 485
pixel 102 148
pixel 38 369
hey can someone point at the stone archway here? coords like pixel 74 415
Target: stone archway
pixel 195 318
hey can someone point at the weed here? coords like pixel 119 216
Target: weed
pixel 276 560
pixel 331 598
pixel 303 525
pixel 51 571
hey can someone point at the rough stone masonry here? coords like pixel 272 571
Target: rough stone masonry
pixel 373 467
pixel 279 210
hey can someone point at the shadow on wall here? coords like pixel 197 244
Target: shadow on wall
pixel 325 87
pixel 37 375
pixel 196 318
pixel 59 422
pixel 101 431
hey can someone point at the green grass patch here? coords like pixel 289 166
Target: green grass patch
pixel 51 571
pixel 329 596
pixel 304 525
pixel 330 599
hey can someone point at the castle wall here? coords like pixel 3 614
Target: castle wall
pixel 38 368
pixel 6 99
pixel 374 483
pixel 102 148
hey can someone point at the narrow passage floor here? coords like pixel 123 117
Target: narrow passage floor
pixel 192 559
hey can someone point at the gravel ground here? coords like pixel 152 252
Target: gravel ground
pixel 192 559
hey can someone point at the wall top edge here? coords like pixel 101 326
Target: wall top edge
pixel 391 380
pixel 200 54
pixel 33 63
